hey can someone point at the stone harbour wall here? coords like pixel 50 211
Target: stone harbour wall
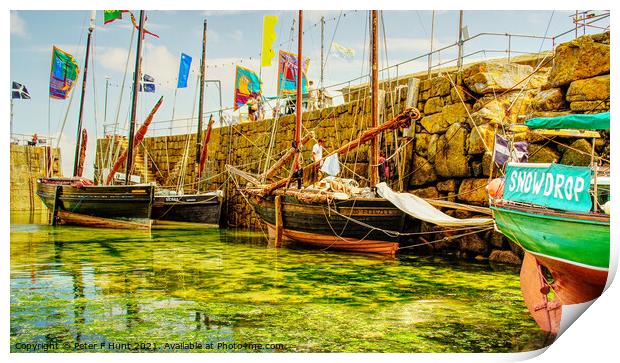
pixel 28 163
pixel 447 154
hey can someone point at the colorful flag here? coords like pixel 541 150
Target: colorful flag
pixel 269 36
pixel 63 74
pixel 343 52
pixel 505 152
pixel 186 62
pixel 287 74
pixel 19 91
pixel 147 84
pixel 135 24
pixel 111 15
pixel 247 85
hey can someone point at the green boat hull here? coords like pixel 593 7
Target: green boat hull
pixel 572 240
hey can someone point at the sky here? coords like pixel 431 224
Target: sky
pixel 233 38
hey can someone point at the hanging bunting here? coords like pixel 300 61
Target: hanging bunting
pixel 247 85
pixel 63 74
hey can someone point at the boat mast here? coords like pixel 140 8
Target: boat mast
pixel 299 80
pixel 374 100
pixel 200 103
pixel 134 98
pixel 91 27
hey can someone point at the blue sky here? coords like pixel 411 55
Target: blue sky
pixel 234 37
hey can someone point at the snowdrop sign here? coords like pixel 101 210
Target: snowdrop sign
pixel 551 185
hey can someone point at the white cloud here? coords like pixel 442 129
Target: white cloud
pixel 161 64
pixel 18 25
pixel 113 59
pixel 237 35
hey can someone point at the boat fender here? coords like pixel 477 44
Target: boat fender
pixel 495 188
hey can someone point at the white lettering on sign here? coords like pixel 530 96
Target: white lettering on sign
pixel 541 183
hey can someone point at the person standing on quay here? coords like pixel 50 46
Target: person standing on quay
pixel 317 154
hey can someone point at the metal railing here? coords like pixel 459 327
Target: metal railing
pixel 23 139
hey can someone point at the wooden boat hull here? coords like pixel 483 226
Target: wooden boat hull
pixel 191 208
pixel 574 248
pixel 116 202
pixel 355 225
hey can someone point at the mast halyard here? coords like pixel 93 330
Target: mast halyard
pixel 374 100
pixel 91 27
pixel 200 104
pixel 134 100
pixel 299 80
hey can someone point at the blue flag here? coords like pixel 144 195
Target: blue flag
pixel 186 62
pixel 147 84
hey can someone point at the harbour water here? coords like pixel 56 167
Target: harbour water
pixel 208 290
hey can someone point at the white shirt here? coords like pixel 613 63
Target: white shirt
pixel 317 152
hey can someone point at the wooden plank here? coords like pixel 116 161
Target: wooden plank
pixel 57 191
pixel 278 228
pixel 99 222
pixel 459 206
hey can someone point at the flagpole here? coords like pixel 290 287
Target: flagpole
pixel 200 104
pixel 81 111
pixel 134 98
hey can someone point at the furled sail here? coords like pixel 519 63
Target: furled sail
pixel 421 209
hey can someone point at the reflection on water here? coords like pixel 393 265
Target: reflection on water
pixel 127 290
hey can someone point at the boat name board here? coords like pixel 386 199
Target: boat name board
pixel 555 186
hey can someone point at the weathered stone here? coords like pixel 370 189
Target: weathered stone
pixel 429 192
pixel 434 123
pixel 578 59
pixel 602 38
pixel 578 153
pixel 492 112
pixel 433 105
pixel 473 243
pixel 432 147
pixel 504 257
pixel 460 94
pixel 487 159
pixel 496 239
pixel 451 158
pixel 440 86
pixel 481 139
pixel 422 140
pixel 542 154
pixel 447 185
pixel 589 89
pixel 457 112
pixel 474 191
pixel 489 77
pixel 589 106
pixel 422 172
pixel 549 100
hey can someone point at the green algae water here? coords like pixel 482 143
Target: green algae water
pixel 208 290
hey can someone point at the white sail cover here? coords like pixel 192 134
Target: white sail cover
pixel 421 209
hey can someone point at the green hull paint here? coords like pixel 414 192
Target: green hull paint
pixel 578 241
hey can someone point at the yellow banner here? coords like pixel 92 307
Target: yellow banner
pixel 269 36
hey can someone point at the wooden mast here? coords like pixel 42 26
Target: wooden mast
pixel 134 98
pixel 299 80
pixel 297 141
pixel 200 103
pixel 374 100
pixel 91 27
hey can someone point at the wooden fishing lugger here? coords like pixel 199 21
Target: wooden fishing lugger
pixel 324 219
pixel 77 200
pixel 569 241
pixel 199 207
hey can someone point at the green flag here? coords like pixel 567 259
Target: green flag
pixel 111 15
